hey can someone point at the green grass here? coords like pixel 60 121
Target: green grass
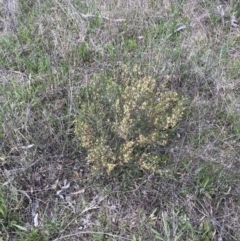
pixel 58 50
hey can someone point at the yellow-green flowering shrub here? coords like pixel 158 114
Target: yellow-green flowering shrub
pixel 123 119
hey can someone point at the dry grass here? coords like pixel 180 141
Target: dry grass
pixel 48 191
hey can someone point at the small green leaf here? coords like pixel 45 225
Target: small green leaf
pixel 19 227
pixel 2 210
pixel 157 234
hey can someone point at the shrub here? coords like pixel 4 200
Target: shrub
pixel 125 118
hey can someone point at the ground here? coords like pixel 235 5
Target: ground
pixel 50 51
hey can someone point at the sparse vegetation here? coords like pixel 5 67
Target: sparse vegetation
pixel 145 90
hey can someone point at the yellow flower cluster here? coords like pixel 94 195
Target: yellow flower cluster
pixel 121 121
